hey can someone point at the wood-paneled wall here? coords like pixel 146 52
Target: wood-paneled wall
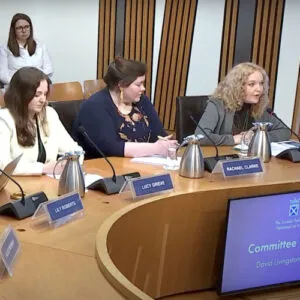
pixel 267 25
pixel 107 35
pixel 251 32
pixel 139 31
pixel 266 42
pixel 174 56
pixel 228 39
pixel 136 33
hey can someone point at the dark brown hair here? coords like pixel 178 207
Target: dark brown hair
pixel 12 43
pixel 21 91
pixel 123 72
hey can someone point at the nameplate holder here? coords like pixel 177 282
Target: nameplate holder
pixel 143 187
pixel 9 250
pixel 239 167
pixel 60 211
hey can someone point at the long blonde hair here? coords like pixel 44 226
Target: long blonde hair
pixel 231 89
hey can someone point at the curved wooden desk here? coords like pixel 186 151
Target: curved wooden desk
pixel 171 244
pixel 61 263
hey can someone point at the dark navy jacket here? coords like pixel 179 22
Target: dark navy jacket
pixel 101 120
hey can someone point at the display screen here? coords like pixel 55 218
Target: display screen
pixel 262 244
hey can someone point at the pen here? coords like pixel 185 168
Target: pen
pixel 164 138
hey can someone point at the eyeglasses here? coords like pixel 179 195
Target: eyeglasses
pixel 23 28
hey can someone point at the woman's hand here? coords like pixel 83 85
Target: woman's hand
pixel 245 136
pixel 248 135
pixel 163 145
pixel 49 167
pixel 237 138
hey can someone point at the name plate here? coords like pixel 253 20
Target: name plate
pixel 10 247
pixel 57 212
pixel 64 206
pixel 152 185
pixel 241 167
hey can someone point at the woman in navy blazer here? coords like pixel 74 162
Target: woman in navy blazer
pixel 120 119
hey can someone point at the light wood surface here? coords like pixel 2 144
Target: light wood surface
pixel 61 263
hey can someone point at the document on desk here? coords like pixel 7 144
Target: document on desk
pixel 153 160
pixel 88 178
pixel 278 147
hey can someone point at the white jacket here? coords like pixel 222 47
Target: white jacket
pixel 58 141
pixel 9 64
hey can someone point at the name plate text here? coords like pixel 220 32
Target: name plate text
pixel 152 185
pixel 242 167
pixel 10 248
pixel 64 207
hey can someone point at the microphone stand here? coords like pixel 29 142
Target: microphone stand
pixel 26 206
pixel 292 154
pixel 109 185
pixel 210 162
pixel 290 129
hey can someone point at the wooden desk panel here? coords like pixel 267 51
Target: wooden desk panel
pixel 69 251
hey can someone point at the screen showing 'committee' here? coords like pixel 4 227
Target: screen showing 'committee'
pixel 262 247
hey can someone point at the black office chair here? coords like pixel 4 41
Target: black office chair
pixel 185 107
pixel 67 111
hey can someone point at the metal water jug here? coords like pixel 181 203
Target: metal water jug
pixel 260 144
pixel 192 162
pixel 72 178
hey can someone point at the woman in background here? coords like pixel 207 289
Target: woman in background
pixel 29 126
pixel 22 50
pixel 240 99
pixel 120 119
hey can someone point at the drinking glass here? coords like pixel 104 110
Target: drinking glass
pixel 244 146
pixel 172 162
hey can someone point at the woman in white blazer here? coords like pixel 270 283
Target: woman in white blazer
pixel 22 50
pixel 29 126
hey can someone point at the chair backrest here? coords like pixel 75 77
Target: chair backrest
pixel 1 99
pixel 185 107
pixel 66 91
pixel 90 87
pixel 67 111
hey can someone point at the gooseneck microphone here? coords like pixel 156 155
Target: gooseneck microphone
pixel 292 154
pixel 271 112
pixel 210 162
pixel 84 133
pixel 208 137
pixel 110 185
pixel 16 183
pixel 26 206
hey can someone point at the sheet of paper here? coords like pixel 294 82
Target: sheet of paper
pixel 153 160
pixel 88 178
pixel 239 147
pixel 276 147
pixel 280 147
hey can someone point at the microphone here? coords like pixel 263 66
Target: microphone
pixel 292 154
pixel 272 113
pixel 210 162
pixel 110 185
pixel 26 206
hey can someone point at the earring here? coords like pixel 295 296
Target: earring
pixel 121 94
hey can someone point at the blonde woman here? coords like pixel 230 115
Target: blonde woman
pixel 240 99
